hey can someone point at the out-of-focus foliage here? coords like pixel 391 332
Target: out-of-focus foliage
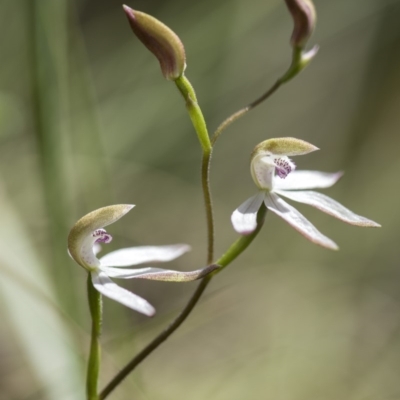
pixel 87 120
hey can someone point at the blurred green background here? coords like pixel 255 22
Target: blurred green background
pixel 87 120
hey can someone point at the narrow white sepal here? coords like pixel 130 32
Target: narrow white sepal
pixel 144 254
pixel 159 274
pixel 293 217
pixel 299 180
pixel 127 273
pixel 244 218
pixel 108 288
pixel 329 206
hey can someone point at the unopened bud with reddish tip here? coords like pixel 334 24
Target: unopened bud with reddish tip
pixel 304 17
pixel 160 40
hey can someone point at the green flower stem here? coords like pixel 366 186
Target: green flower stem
pixel 200 127
pixel 231 254
pixel 295 67
pixel 241 244
pixel 93 369
pixel 205 181
pixel 194 111
pixel 244 110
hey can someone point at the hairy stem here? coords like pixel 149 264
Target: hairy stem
pixel 230 255
pixel 244 110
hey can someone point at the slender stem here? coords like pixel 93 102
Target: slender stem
pixel 244 110
pixel 295 67
pixel 93 369
pixel 241 244
pixel 157 341
pixel 205 181
pixel 200 127
pixel 194 111
pixel 230 255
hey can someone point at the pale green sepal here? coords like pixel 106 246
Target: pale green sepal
pixel 159 274
pixel 284 147
pixel 89 223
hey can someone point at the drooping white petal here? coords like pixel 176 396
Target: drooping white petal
pixel 297 221
pixel 298 180
pixel 159 274
pixel 244 218
pixel 329 206
pixel 108 288
pixel 143 254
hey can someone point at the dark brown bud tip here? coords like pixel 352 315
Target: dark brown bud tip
pixel 160 40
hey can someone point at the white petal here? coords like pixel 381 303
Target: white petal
pixel 244 218
pixel 329 206
pixel 159 274
pixel 144 254
pixel 297 221
pixel 108 288
pixel 298 180
pixel 96 249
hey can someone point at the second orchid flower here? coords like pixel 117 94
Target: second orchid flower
pixel 274 174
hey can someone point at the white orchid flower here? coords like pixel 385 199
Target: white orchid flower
pixel 83 245
pixel 274 174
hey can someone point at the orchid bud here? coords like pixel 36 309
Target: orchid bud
pixel 304 17
pixel 160 40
